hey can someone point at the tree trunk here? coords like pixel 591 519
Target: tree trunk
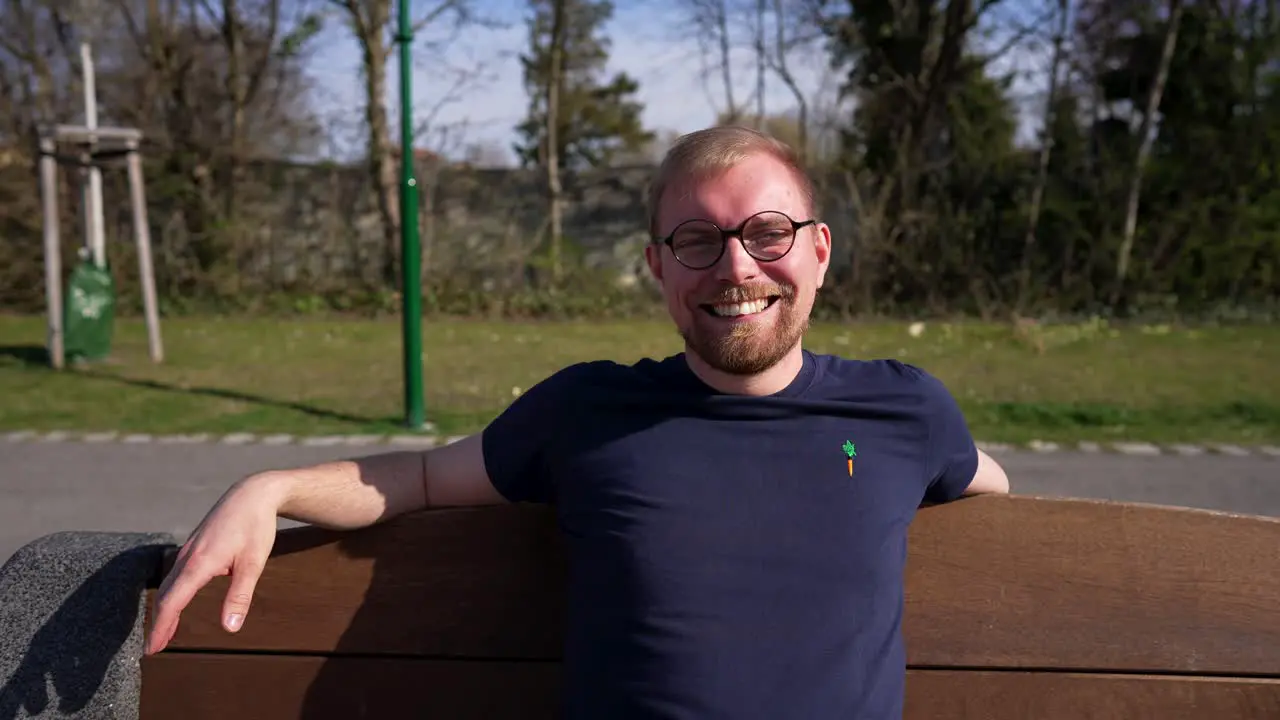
pixel 784 73
pixel 732 113
pixel 1046 149
pixel 236 91
pixel 381 168
pixel 243 79
pixel 1146 139
pixel 555 192
pixel 761 125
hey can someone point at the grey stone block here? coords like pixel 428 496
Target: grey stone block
pixel 72 608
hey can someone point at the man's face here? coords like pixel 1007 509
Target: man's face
pixel 741 315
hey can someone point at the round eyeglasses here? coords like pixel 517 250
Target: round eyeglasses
pixel 766 236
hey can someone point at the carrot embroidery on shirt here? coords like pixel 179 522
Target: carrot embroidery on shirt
pixel 852 451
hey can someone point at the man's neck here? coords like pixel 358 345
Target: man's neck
pixel 771 381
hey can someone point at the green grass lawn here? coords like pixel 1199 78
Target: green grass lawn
pixel 322 376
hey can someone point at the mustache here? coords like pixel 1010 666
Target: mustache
pixel 747 293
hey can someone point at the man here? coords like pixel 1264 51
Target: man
pixel 735 515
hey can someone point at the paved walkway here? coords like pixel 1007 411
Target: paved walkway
pixel 153 486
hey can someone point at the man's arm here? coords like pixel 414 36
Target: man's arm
pixel 352 494
pixel 237 535
pixel 989 478
pixel 956 467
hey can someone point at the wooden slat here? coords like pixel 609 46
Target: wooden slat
pixel 1016 582
pixel 1006 582
pixel 80 133
pixel 464 583
pixel 958 695
pixel 196 686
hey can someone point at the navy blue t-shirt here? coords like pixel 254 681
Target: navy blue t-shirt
pixel 734 557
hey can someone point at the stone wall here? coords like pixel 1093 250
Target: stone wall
pixel 303 223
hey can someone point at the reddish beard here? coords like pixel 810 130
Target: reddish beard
pixel 747 348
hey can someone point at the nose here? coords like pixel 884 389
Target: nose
pixel 736 266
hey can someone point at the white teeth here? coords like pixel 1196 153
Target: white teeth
pixel 738 309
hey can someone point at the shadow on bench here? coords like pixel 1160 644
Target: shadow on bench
pixel 1017 608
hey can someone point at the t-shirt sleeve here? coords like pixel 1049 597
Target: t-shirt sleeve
pixel 517 445
pixel 951 454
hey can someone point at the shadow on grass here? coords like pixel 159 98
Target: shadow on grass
pixel 223 394
pixel 31 355
pixel 38 357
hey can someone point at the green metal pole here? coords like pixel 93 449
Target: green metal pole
pixel 411 258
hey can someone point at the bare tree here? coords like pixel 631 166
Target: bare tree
pixel 209 82
pixel 213 84
pixel 710 24
pixel 1046 148
pixel 35 59
pixel 1146 136
pixel 792 30
pixel 551 159
pixel 249 61
pixel 762 55
pixel 454 83
pixel 34 89
pixel 370 22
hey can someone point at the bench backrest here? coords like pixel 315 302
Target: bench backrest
pixel 1017 608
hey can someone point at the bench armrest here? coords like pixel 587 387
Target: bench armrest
pixel 72 615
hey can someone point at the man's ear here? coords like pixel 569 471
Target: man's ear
pixel 653 256
pixel 822 250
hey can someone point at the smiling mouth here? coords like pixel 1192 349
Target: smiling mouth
pixel 739 309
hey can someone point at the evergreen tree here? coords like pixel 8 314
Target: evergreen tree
pixel 597 117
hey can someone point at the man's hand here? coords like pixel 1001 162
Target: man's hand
pixel 234 539
pixel 237 535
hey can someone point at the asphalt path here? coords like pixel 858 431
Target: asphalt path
pixel 50 487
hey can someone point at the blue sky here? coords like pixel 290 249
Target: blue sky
pixel 649 41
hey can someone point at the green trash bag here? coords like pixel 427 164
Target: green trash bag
pixel 89 312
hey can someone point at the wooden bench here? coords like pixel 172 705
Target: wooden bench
pixel 1017 608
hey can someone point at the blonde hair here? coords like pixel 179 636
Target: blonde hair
pixel 714 150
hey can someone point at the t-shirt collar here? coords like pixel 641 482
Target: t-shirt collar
pixel 685 377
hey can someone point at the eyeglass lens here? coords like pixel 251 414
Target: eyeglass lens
pixel 767 236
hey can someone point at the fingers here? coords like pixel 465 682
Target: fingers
pixel 235 538
pixel 182 585
pixel 174 595
pixel 240 594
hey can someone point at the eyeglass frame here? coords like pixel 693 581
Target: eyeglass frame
pixel 725 234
